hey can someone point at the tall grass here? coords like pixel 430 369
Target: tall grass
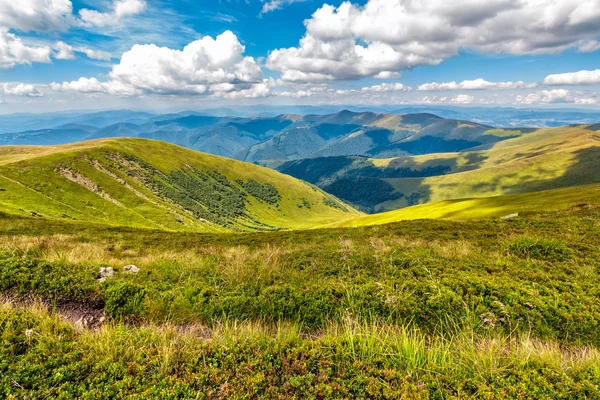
pixel 166 351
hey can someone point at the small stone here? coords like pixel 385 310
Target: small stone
pixel 131 269
pixel 510 216
pixel 107 272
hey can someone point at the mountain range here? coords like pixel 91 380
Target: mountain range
pixel 274 140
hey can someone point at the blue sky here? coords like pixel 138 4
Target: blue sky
pixel 68 54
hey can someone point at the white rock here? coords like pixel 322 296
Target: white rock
pixel 510 216
pixel 107 272
pixel 131 269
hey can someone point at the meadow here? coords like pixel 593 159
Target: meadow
pixel 487 308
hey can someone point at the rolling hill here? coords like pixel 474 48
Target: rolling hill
pixel 150 184
pixel 508 206
pixel 541 160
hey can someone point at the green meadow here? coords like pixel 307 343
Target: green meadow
pixel 253 284
pixel 417 309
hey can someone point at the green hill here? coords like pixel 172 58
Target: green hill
pixel 488 207
pixel 541 160
pixel 151 184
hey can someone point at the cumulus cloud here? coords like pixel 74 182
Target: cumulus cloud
pixel 120 9
pixel 36 15
pixel 21 89
pixel 94 86
pixel 462 99
pixel 50 15
pixel 13 51
pixel 386 36
pixel 477 84
pixel 204 67
pixel 574 78
pixel 387 87
pixel 557 96
pixel 63 51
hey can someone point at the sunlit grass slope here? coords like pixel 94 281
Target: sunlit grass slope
pixel 542 160
pixel 489 207
pixel 151 184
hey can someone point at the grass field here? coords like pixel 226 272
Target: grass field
pixel 416 309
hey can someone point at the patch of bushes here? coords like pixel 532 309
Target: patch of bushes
pixel 123 299
pixel 25 274
pixel 333 204
pixel 539 249
pixel 263 192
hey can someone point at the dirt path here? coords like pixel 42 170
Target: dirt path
pixel 83 314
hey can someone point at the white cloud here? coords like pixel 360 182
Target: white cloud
pixel 462 99
pixel 458 99
pixel 384 36
pixel 272 5
pixel 13 51
pixel 557 96
pixel 36 15
pixel 21 89
pixel 434 100
pixel 477 84
pixel 63 51
pixel 387 75
pixel 387 87
pixel 574 78
pixel 120 9
pixel 588 46
pixel 204 67
pixel 93 85
pixel 95 54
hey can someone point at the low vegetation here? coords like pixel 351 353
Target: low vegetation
pixel 497 308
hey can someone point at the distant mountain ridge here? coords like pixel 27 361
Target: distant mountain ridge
pixel 276 140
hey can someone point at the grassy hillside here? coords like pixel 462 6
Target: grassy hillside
pixel 151 184
pixel 541 160
pixel 488 207
pixel 497 309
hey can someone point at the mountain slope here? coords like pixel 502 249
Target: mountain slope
pixel 542 160
pixel 152 184
pixel 500 206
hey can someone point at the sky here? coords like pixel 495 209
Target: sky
pixel 186 54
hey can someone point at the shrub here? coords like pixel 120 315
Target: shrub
pixel 539 249
pixel 124 299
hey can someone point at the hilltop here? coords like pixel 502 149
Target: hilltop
pixel 149 184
